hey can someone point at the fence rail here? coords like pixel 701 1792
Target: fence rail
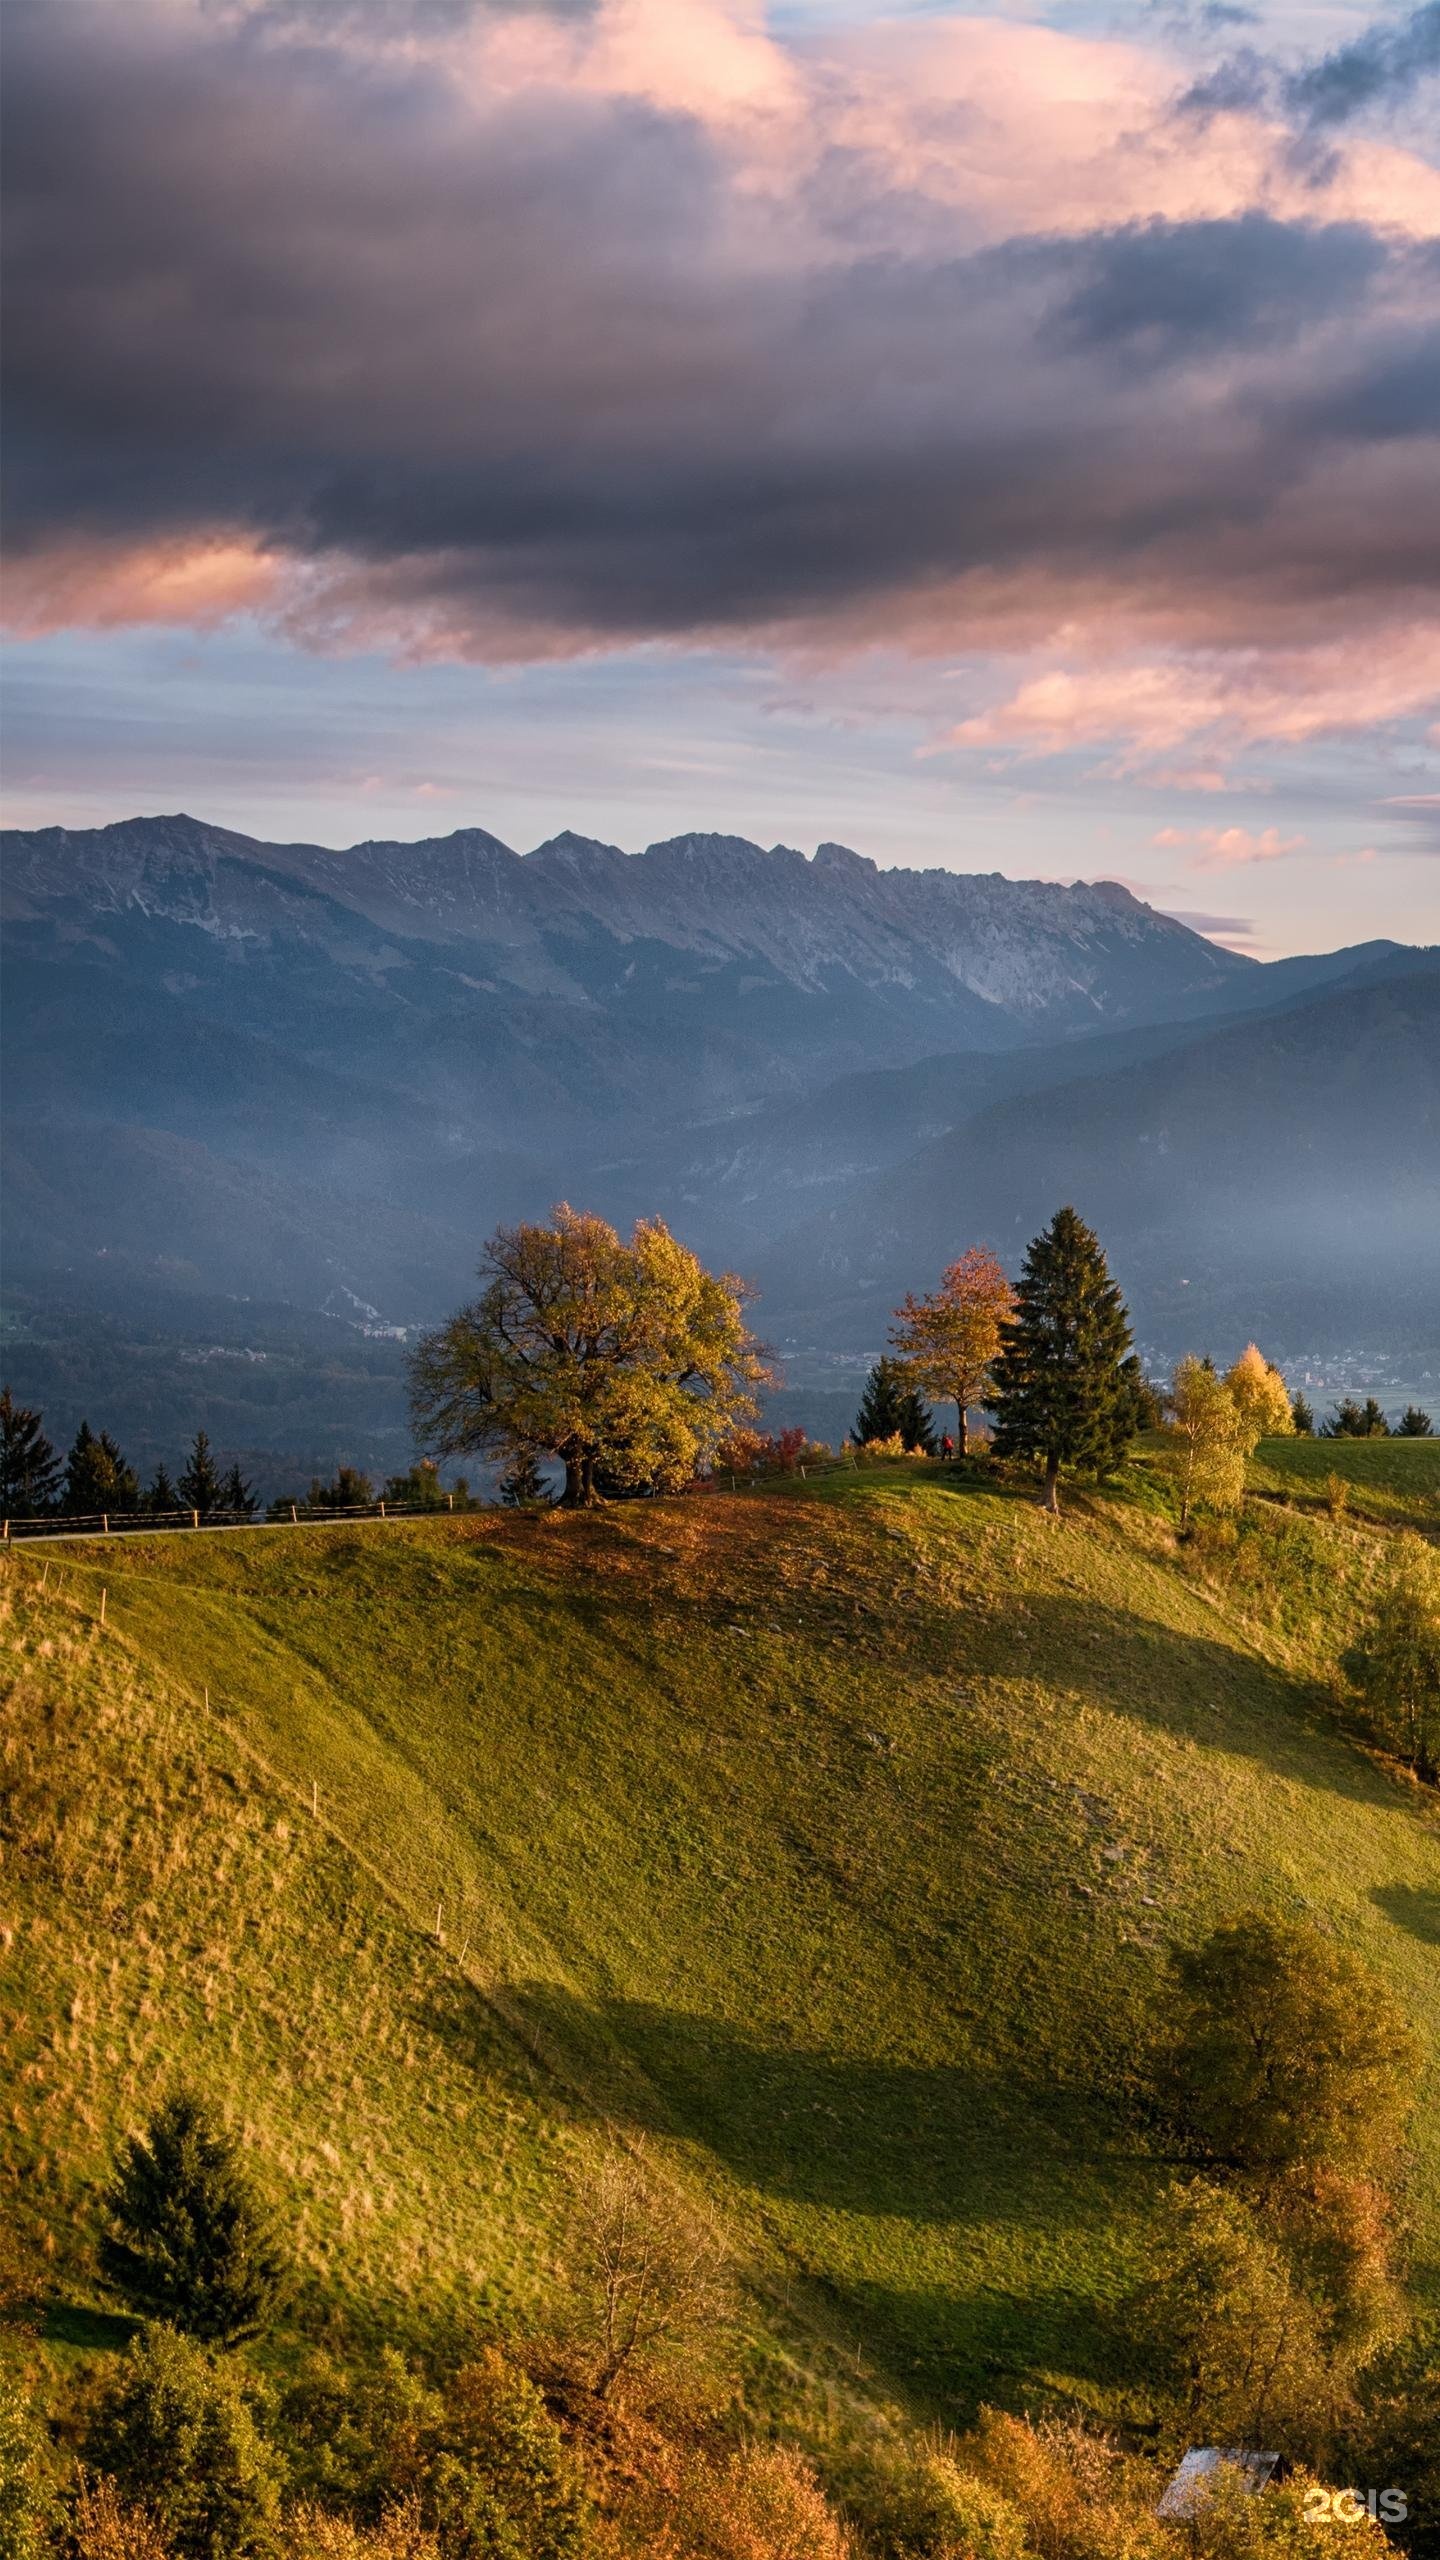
pixel 286 1515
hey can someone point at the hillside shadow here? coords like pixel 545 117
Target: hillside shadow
pixel 1415 1907
pixel 1190 1686
pixel 926 2143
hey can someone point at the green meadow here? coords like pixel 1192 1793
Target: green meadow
pixel 831 1837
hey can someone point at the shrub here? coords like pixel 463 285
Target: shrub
pixel 1231 2346
pixel 1337 1496
pixel 175 2436
pixel 1077 2496
pixel 762 2503
pixel 22 2490
pixel 103 2528
pixel 1396 1665
pixel 503 2479
pixel 308 2533
pixel 187 2242
pixel 1289 2050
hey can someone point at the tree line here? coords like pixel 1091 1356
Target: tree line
pixel 632 1368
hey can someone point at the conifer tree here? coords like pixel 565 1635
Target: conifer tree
pixel 201 1488
pixel 522 1482
pixel 1413 1424
pixel 185 2239
pixel 29 1468
pixel 162 1496
pixel 1302 1416
pixel 890 1409
pixel 880 1403
pixel 1066 1378
pixel 97 1478
pixel 237 1495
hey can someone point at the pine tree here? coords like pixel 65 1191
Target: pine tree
pixel 1373 1425
pixel 29 1468
pixel 186 2241
pixel 881 1404
pixel 1413 1424
pixel 97 1478
pixel 890 1409
pixel 1065 1381
pixel 1303 1417
pixel 201 1488
pixel 522 1482
pixel 237 1495
pixel 162 1496
pixel 1346 1422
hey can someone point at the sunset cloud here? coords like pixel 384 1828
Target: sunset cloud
pixel 510 335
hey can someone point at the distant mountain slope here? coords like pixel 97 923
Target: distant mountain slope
pixel 922 959
pixel 1284 1171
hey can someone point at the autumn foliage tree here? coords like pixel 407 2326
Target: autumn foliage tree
pixel 1261 1395
pixel 949 1341
pixel 629 1363
pixel 1211 1438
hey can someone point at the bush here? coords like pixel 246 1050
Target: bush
pixel 1231 2346
pixel 103 2528
pixel 308 2533
pixel 1077 2495
pixel 503 2479
pixel 762 2503
pixel 187 2242
pixel 1289 2051
pixel 22 2490
pixel 175 2436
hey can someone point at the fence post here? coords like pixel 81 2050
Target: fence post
pixel 104 1595
pixel 194 1519
pixel 315 1798
pixel 382 1510
pixel 294 1517
pixel 449 1501
pixel 105 1522
pixel 7 1525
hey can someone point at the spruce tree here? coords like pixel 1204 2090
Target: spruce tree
pixel 917 1427
pixel 882 1404
pixel 1414 1424
pixel 162 1496
pixel 185 2239
pixel 522 1482
pixel 97 1478
pixel 29 1468
pixel 1066 1380
pixel 1303 1417
pixel 200 1486
pixel 237 1495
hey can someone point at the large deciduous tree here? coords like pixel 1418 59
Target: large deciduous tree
pixel 1067 1385
pixel 948 1342
pixel 627 1362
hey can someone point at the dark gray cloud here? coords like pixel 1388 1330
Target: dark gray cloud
pixel 1378 71
pixel 536 361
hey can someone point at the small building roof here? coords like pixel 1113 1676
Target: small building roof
pixel 1190 2488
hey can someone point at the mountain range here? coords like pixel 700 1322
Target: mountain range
pixel 243 1076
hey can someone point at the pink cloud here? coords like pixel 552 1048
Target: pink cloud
pixel 1218 848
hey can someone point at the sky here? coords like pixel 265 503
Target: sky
pixel 1005 439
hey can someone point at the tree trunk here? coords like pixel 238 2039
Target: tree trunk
pixel 1052 1483
pixel 962 1437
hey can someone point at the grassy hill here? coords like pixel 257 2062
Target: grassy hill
pixel 831 1836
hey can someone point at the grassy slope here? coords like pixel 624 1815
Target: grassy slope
pixel 830 1835
pixel 1396 1481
